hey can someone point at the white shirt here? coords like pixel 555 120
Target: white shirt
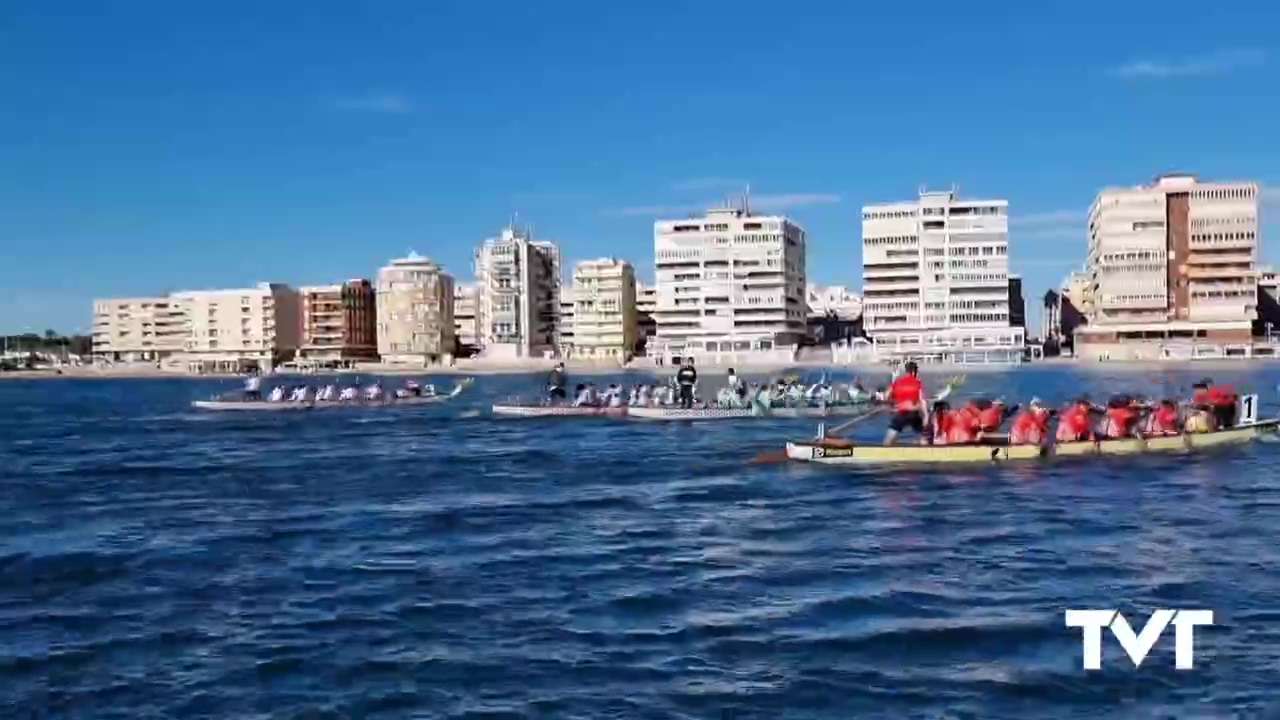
pixel 277 394
pixel 252 383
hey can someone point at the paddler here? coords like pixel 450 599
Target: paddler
pixel 581 395
pixel 1075 423
pixel 1163 420
pixel 940 421
pixel 736 385
pixel 556 383
pixel 1121 419
pixel 1223 399
pixel 907 397
pixel 1031 426
pixel 686 378
pixel 253 387
pixel 991 415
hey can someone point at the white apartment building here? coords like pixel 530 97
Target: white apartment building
pixel 564 325
pixel 128 330
pixel 519 301
pixel 935 277
pixel 466 315
pixel 239 329
pixel 728 283
pixel 836 300
pixel 646 309
pixel 1175 260
pixel 604 310
pixel 415 312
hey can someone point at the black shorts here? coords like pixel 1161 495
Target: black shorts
pixel 1226 416
pixel 907 419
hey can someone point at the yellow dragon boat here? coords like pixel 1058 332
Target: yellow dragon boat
pixel 842 452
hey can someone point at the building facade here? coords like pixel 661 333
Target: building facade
pixel 728 283
pixel 415 312
pixel 138 330
pixel 936 279
pixel 339 323
pixel 564 326
pixel 240 329
pixel 604 310
pixel 1171 263
pixel 834 301
pixel 519 295
pixel 466 318
pixel 646 322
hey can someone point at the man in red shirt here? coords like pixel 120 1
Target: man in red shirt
pixel 910 408
pixel 1219 400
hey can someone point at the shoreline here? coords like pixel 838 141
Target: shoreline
pixel 588 369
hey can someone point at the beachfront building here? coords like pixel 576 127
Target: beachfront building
pixel 1172 269
pixel 1017 303
pixel 339 324
pixel 564 323
pixel 646 324
pixel 137 330
pixel 466 318
pixel 519 295
pixel 238 330
pixel 730 286
pixel 834 301
pixel 604 310
pixel 415 312
pixel 935 275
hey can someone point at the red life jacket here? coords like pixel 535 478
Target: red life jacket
pixel 1202 397
pixel 905 393
pixel 991 419
pixel 942 423
pixel 1120 421
pixel 1028 428
pixel 1073 425
pixel 964 427
pixel 1163 421
pixel 1222 396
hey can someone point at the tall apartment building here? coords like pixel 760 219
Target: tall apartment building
pixel 729 282
pixel 646 309
pixel 415 312
pixel 1172 260
pixel 564 326
pixel 466 317
pixel 936 279
pixel 604 310
pixel 339 323
pixel 519 281
pixel 240 329
pixel 130 330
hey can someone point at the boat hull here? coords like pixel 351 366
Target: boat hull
pixel 542 411
pixel 827 453
pixel 261 405
pixel 670 413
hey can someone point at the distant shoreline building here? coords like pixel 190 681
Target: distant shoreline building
pixel 466 319
pixel 604 310
pixel 646 324
pixel 339 324
pixel 727 283
pixel 415 312
pixel 240 329
pixel 1171 264
pixel 135 330
pixel 936 280
pixel 519 295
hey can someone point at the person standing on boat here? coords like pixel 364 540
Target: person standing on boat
pixel 1220 400
pixel 556 383
pixel 687 378
pixel 910 407
pixel 253 387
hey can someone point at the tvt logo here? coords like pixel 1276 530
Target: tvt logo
pixel 1091 623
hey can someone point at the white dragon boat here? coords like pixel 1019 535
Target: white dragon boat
pixel 515 409
pixel 283 405
pixel 731 413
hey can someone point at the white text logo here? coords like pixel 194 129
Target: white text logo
pixel 1138 645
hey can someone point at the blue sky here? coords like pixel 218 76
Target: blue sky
pixel 151 146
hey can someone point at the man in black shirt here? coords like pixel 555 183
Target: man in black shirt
pixel 556 383
pixel 686 378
